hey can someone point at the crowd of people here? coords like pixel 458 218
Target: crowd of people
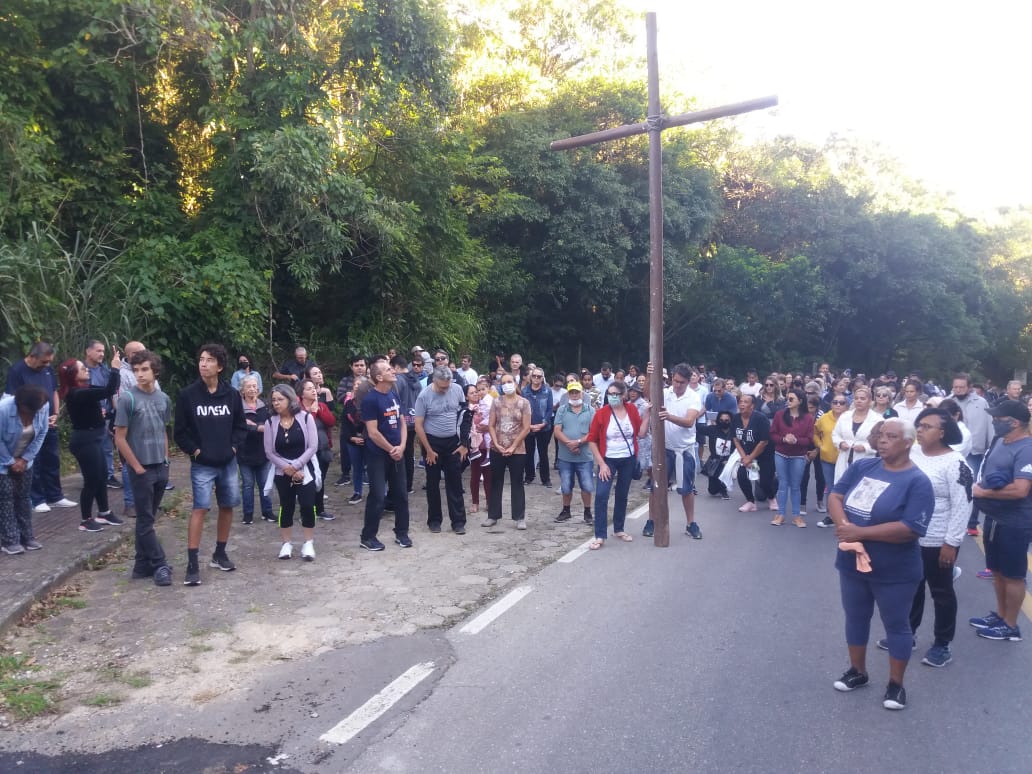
pixel 901 467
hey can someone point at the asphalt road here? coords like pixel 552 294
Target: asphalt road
pixel 709 656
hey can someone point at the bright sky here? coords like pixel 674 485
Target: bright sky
pixel 942 86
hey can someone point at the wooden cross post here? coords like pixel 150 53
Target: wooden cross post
pixel 654 126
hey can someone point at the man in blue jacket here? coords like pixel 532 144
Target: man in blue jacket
pixel 540 396
pixel 209 427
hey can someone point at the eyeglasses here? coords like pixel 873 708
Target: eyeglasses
pixel 537 376
pixel 769 384
pixel 838 403
pixel 926 426
pixel 611 394
pixel 441 358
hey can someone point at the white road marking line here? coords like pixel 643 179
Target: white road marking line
pixel 481 622
pixel 638 512
pixel 575 553
pixel 358 720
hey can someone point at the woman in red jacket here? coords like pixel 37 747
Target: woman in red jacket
pixel 613 439
pixel 792 433
pixel 311 401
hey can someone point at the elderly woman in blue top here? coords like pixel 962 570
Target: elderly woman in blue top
pixel 23 427
pixel 884 503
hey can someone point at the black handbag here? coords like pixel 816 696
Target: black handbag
pixel 712 466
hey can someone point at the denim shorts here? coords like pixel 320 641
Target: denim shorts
pixel 688 485
pixel 1006 548
pixel 585 472
pixel 225 480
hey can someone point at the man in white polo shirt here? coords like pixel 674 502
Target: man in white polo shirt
pixel 681 406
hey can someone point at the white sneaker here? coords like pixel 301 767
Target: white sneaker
pixel 308 551
pixel 41 508
pixel 821 508
pixel 286 551
pixel 802 511
pixel 521 524
pixel 957 572
pixel 64 502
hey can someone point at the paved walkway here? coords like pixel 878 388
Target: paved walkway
pixel 67 551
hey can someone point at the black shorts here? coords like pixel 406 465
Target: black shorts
pixel 1006 548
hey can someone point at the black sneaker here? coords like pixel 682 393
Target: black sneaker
pixel 222 562
pixel 163 576
pixel 114 483
pixel 269 517
pixel 588 518
pixel 460 529
pixel 247 520
pixel 694 531
pixel 372 544
pixel 193 575
pixel 826 522
pixel 343 481
pixel 355 499
pixel 435 528
pixel 325 516
pixel 649 530
pixel 108 518
pixel 546 484
pixel 564 515
pixel 403 540
pixel 851 680
pixel 895 697
pixel 90 525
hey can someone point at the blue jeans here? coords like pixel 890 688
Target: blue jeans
pixel 829 479
pixel 584 471
pixel 252 476
pixel 203 478
pixel 689 461
pixel 356 454
pixel 620 471
pixel 790 479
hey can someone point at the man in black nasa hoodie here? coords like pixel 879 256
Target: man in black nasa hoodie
pixel 210 427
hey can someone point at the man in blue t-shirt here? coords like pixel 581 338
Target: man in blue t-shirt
pixel 36 369
pixel 1004 494
pixel 385 450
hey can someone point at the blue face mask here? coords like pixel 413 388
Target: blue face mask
pixel 1002 426
pixel 614 400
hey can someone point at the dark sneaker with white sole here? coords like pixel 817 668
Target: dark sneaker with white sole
pixel 193 575
pixel 372 544
pixel 163 576
pixel 851 680
pixel 992 619
pixel 90 525
pixel 895 697
pixel 222 562
pixel 937 656
pixel 1001 632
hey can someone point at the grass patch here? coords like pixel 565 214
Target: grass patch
pixel 76 603
pixel 196 648
pixel 242 656
pixel 103 700
pixel 21 695
pixel 64 598
pixel 114 674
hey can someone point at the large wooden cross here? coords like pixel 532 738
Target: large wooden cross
pixel 654 126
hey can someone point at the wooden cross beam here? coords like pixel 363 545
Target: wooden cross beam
pixel 654 126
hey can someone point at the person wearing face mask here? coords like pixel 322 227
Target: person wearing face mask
pixel 572 422
pixel 243 369
pixel 721 441
pixel 509 425
pixel 1004 494
pixel 613 439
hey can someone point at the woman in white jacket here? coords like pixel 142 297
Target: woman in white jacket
pixel 852 430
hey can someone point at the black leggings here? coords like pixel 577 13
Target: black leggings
pixel 86 447
pixel 818 475
pixel 766 487
pixel 320 495
pixel 289 494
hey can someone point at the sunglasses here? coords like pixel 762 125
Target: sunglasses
pixel 838 403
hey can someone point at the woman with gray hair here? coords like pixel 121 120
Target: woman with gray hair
pixel 251 459
pixel 881 506
pixel 291 441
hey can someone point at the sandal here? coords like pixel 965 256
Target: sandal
pixel 623 536
pixel 596 544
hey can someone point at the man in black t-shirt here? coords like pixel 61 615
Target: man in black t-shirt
pixel 752 442
pixel 385 449
pixel 294 370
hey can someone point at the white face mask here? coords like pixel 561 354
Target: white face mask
pixel 578 402
pixel 509 388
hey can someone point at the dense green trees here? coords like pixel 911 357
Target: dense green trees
pixel 361 173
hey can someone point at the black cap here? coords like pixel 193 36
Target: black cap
pixel 1014 409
